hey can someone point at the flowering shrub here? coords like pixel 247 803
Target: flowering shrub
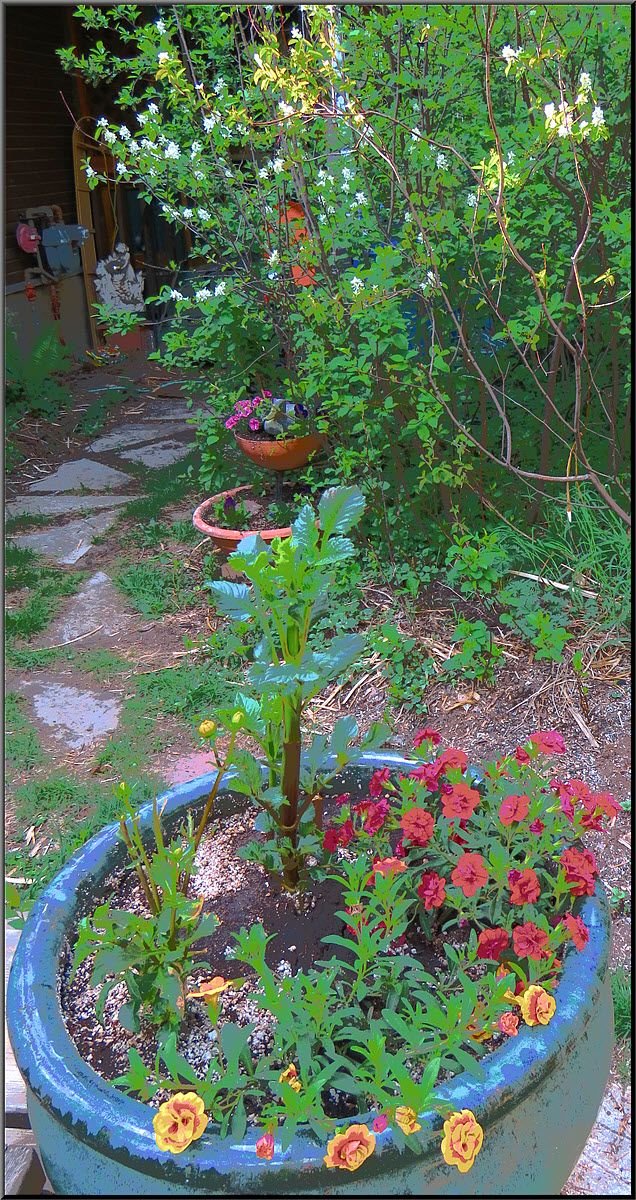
pixel 402 260
pixel 279 419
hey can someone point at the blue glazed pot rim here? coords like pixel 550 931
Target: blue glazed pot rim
pixel 120 1126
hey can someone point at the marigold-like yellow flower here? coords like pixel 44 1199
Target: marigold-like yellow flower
pixel 462 1141
pixel 290 1076
pixel 212 989
pixel 350 1149
pixel 180 1121
pixel 537 1006
pixel 406 1118
pixel 207 729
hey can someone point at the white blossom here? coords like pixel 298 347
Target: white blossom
pixel 347 173
pixel 187 214
pixel 509 54
pixel 198 174
pixel 322 218
pixel 286 110
pixel 583 125
pixel 273 257
pixel 441 161
pixel 203 214
pixel 153 109
pixel 219 85
pixel 430 281
pixel 220 288
pixel 565 127
pixel 277 165
pixel 330 209
pixel 295 32
pixel 416 133
pixel 89 172
pixel 163 57
pixel 510 157
pixel 103 123
pixel 210 121
pixel 202 294
pixel 109 136
pixel 471 200
pixel 263 173
pixel 420 238
pixel 172 150
pixel 408 217
pixel 361 198
pixel 121 168
pixel 196 148
pixel 356 285
pixel 258 60
pixel 175 295
pixel 585 81
pixel 124 132
pixel 345 186
pixel 142 118
pixel 161 26
pixel 597 116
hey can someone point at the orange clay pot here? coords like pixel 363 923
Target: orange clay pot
pixel 226 540
pixel 284 455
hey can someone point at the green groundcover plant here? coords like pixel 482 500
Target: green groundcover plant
pixel 485 865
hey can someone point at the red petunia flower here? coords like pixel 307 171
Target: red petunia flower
pixel 379 1123
pixel 492 942
pixel 426 774
pixel 550 742
pixel 514 808
pixel 386 866
pixel 331 839
pixel 577 930
pixel 427 735
pixel 536 826
pixel 461 801
pixel 522 755
pixel 470 874
pixel 580 870
pixel 524 886
pixel 376 814
pixel 451 758
pixel 597 805
pixel 432 890
pixel 378 781
pixel 529 941
pixel 347 833
pixel 417 825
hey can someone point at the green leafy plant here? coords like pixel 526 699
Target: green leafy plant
pixel 408 671
pixel 31 378
pixel 23 748
pixel 621 982
pixel 478 652
pixel 547 638
pixel 154 955
pixel 476 563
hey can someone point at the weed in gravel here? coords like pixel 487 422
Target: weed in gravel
pixel 101 663
pixel 477 655
pixel 22 745
pixel 407 671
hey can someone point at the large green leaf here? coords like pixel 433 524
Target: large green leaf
pixel 233 599
pixel 339 509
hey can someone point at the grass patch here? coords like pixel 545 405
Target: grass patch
pixel 621 983
pixel 100 409
pixel 158 586
pixel 68 813
pixel 164 487
pixel 28 521
pixel 154 533
pixel 101 663
pixel 22 744
pixel 48 587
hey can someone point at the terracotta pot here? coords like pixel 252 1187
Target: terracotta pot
pixel 226 540
pixel 281 456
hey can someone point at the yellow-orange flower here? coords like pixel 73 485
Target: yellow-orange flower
pixel 537 1006
pixel 207 729
pixel 350 1149
pixel 290 1076
pixel 406 1118
pixel 179 1122
pixel 462 1141
pixel 212 989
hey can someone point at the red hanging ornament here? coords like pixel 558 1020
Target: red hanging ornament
pixel 30 292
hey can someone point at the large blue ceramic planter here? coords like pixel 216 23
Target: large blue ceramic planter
pixel 537 1102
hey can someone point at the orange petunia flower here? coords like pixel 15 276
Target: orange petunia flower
pixel 407 1120
pixel 350 1149
pixel 180 1121
pixel 290 1076
pixel 462 1141
pixel 265 1146
pixel 537 1006
pixel 212 989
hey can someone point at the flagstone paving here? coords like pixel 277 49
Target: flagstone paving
pixel 158 454
pixel 124 436
pixel 98 608
pixel 76 717
pixel 83 473
pixel 60 505
pixel 66 544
